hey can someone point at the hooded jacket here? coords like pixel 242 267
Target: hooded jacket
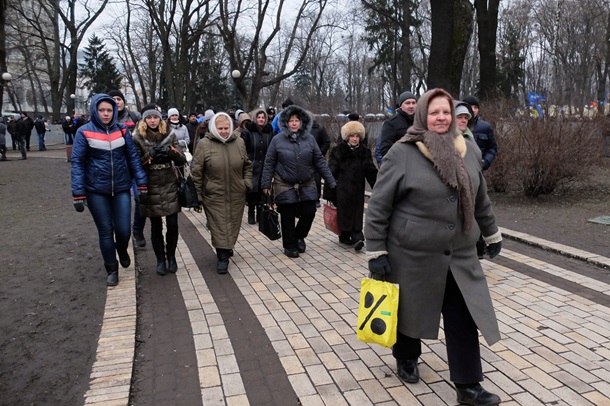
pixel 104 158
pixel 222 174
pixel 257 141
pixel 292 159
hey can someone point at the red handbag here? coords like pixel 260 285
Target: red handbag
pixel 330 218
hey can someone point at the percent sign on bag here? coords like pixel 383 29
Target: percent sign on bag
pixel 378 312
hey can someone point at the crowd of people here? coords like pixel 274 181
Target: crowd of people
pixel 428 220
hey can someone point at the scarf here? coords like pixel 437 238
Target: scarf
pixel 446 152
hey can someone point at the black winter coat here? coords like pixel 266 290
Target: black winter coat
pixel 350 167
pixel 319 133
pixel 392 130
pixel 257 142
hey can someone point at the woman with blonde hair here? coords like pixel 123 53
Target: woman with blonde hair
pixel 222 174
pixel 159 152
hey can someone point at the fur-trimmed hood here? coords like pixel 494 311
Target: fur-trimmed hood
pixel 305 117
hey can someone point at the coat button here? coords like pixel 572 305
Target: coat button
pixel 447 252
pixel 451 198
pixel 451 227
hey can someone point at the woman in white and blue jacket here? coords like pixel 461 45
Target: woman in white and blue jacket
pixel 104 162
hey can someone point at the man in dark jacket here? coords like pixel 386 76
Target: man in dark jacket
pixel 25 125
pixel 41 129
pixel 127 117
pixel 396 126
pixel 319 133
pixel 191 126
pixel 483 134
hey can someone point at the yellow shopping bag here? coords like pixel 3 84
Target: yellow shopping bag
pixel 377 312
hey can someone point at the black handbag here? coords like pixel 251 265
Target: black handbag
pixel 269 222
pixel 186 192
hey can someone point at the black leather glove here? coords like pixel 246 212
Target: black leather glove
pixel 79 203
pixel 159 154
pixel 379 267
pixel 494 249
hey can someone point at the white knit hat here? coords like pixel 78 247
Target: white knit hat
pixel 173 111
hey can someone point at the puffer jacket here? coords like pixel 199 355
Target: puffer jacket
pixel 486 140
pixel 104 158
pixel 163 185
pixel 292 159
pixel 257 141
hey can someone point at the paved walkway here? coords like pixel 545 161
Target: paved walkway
pixel 281 331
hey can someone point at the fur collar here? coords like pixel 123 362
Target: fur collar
pixel 458 142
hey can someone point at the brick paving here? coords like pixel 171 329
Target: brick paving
pixel 280 331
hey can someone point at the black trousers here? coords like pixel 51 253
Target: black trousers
pixel 291 232
pixel 171 236
pixel 463 351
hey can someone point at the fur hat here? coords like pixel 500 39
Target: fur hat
pixel 118 93
pixel 352 127
pixel 150 110
pixel 405 96
pixel 173 111
pixel 473 101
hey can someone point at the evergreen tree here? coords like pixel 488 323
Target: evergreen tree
pixel 99 70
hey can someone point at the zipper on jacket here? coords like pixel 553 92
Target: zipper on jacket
pixel 111 163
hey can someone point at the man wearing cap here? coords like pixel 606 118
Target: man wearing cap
pixel 129 118
pixel 396 126
pixel 483 134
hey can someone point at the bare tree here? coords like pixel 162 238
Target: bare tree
pixel 487 22
pixel 248 34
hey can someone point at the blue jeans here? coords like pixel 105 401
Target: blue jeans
pixel 68 138
pixel 41 146
pixel 112 216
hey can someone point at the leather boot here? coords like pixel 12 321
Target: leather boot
pixel 172 265
pixel 113 274
pixel 476 396
pixel 124 258
pixel 407 370
pixel 251 214
pixel 161 269
pixel 222 267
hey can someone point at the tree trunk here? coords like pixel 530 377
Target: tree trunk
pixel 487 22
pixel 463 22
pixel 439 70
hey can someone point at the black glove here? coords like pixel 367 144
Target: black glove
pixel 199 207
pixel 379 267
pixel 79 203
pixel 494 249
pixel 159 154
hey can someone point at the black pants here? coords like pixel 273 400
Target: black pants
pixel 291 232
pixel 171 236
pixel 463 351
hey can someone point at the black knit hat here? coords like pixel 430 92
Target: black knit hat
pixel 114 93
pixel 287 102
pixel 473 101
pixel 353 116
pixel 405 96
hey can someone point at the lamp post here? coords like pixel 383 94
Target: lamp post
pixel 73 97
pixel 6 78
pixel 236 74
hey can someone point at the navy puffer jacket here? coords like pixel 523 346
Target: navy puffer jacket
pixel 104 158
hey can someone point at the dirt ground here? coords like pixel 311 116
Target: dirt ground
pixel 53 289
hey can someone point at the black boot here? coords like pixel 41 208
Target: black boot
pixel 407 370
pixel 222 267
pixel 476 396
pixel 124 258
pixel 251 214
pixel 172 265
pixel 113 274
pixel 140 240
pixel 161 269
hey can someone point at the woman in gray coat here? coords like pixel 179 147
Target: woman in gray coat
pixel 427 209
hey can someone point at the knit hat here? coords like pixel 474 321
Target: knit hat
pixel 352 127
pixel 473 101
pixel 173 111
pixel 271 110
pixel 405 96
pixel 461 108
pixel 287 102
pixel 150 110
pixel 208 115
pixel 114 93
pixel 353 116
